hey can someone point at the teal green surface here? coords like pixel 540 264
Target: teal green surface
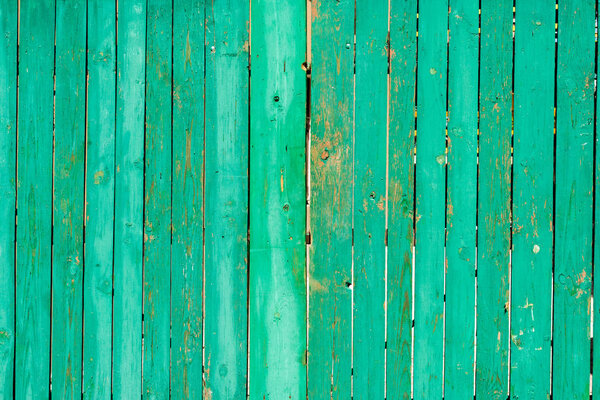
pixel 330 276
pixel 430 200
pixel 461 199
pixel 573 200
pixel 227 80
pixel 69 168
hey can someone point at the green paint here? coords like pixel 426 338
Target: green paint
pixel 573 207
pixel 188 144
pixel 69 157
pixel 430 200
pixel 227 46
pixel 34 199
pixel 370 199
pixel 277 201
pixel 100 186
pixel 129 192
pixel 157 198
pixel 332 92
pixel 8 136
pixel 531 280
pixel 461 199
pixel 401 187
pixel 494 199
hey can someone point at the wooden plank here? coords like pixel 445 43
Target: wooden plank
pixel 493 255
pixel 188 196
pixel 533 176
pixel 330 276
pixel 430 200
pixel 401 187
pixel 8 151
pixel 129 192
pixel 461 198
pixel 369 199
pixel 34 185
pixel 277 201
pixel 573 207
pixel 69 158
pixel 157 197
pixel 226 249
pixel 596 252
pixel 100 187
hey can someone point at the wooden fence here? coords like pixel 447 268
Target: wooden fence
pixel 227 199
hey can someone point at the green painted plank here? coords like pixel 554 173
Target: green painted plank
pixel 34 199
pixel 330 276
pixel 531 280
pixel 129 192
pixel 430 200
pixel 69 159
pixel 188 158
pixel 100 185
pixel 401 186
pixel 494 199
pixel 157 198
pixel 226 249
pixel 369 199
pixel 573 201
pixel 461 199
pixel 8 143
pixel 596 250
pixel 277 201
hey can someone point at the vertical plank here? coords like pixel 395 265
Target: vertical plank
pixel 69 158
pixel 129 192
pixel 493 254
pixel 34 199
pixel 461 198
pixel 157 198
pixel 533 176
pixel 401 186
pixel 573 207
pixel 430 199
pixel 8 136
pixel 277 201
pixel 100 185
pixel 227 79
pixel 330 276
pixel 596 252
pixel 369 199
pixel 188 160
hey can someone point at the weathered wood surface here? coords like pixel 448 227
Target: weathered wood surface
pixel 430 186
pixel 277 291
pixel 494 205
pixel 331 159
pixel 370 199
pixel 532 200
pixel 573 194
pixel 461 199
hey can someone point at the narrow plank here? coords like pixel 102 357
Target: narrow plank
pixel 430 200
pixel 533 175
pixel 157 198
pixel 129 192
pixel 369 199
pixel 330 276
pixel 34 185
pixel 8 151
pixel 69 158
pixel 277 201
pixel 461 199
pixel 596 258
pixel 573 197
pixel 188 159
pixel 100 185
pixel 226 249
pixel 401 186
pixel 493 254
